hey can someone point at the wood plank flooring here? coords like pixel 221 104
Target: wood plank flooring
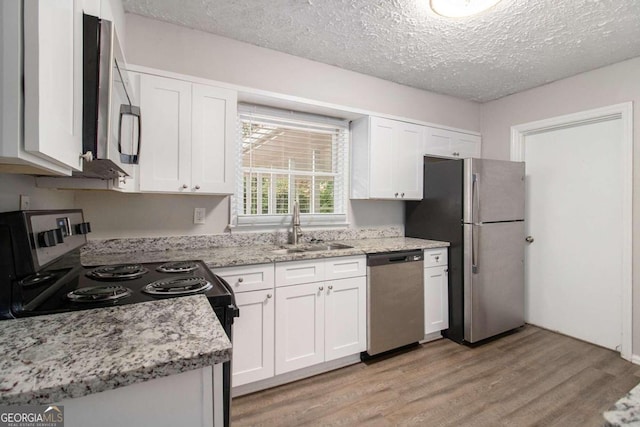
pixel 532 377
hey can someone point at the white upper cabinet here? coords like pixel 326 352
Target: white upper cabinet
pixel 446 143
pixel 52 82
pixel 188 137
pixel 212 151
pixel 386 159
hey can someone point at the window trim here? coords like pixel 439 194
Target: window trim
pixel 302 121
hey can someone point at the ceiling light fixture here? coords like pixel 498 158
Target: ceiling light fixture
pixel 461 8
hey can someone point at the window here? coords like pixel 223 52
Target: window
pixel 287 156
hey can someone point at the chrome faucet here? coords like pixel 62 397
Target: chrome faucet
pixel 296 231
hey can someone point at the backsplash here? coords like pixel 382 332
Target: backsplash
pixel 155 244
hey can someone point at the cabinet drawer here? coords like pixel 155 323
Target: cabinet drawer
pixel 344 267
pixel 297 272
pixel 435 257
pixel 248 278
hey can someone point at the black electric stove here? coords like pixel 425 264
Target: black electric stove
pixel 83 288
pixel 38 275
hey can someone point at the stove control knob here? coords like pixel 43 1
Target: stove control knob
pixel 83 228
pixel 50 238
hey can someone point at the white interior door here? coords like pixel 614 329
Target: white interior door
pixel 574 267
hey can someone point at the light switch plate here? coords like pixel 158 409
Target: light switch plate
pixel 198 215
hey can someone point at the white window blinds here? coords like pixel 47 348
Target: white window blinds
pixel 286 156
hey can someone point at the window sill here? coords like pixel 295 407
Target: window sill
pixel 283 222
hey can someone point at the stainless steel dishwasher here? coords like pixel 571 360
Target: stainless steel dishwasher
pixel 395 300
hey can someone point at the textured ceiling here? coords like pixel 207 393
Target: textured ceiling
pixel 517 45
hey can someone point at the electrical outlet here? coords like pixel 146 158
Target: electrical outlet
pixel 198 215
pixel 25 202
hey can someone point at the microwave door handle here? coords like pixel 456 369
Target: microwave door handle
pixel 129 110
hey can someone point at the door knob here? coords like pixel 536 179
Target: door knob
pixel 529 239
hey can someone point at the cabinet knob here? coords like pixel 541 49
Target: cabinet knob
pixel 240 279
pixel 437 258
pixel 321 288
pixel 402 195
pixel 396 194
pixel 446 270
pixel 456 154
pixel 197 187
pixel 330 287
pixel 87 157
pixel 185 186
pixel 269 296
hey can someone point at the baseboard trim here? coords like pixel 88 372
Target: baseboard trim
pixel 295 375
pixel 431 337
pixel 635 359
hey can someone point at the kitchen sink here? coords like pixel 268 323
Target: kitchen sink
pixel 312 248
pixel 328 247
pixel 286 251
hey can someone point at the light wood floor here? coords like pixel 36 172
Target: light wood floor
pixel 531 377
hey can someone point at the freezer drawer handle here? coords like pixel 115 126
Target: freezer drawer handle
pixel 475 194
pixel 474 250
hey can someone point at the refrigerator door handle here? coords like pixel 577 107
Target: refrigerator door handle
pixel 474 249
pixel 475 196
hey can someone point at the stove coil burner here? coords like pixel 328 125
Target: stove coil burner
pixel 118 272
pixel 37 279
pixel 177 286
pixel 99 293
pixel 178 267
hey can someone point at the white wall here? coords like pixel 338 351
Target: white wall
pixel 170 47
pixel 605 86
pixel 13 185
pixel 173 48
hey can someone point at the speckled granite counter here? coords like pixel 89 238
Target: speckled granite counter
pixel 246 255
pixel 49 358
pixel 626 411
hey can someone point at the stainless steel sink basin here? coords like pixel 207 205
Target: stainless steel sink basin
pixel 286 251
pixel 312 248
pixel 328 247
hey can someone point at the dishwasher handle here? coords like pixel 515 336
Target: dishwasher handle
pixel 388 258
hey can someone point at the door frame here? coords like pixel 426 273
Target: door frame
pixel 623 112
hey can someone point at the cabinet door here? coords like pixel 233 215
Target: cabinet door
pixel 436 299
pixel 382 134
pixel 446 143
pixel 165 157
pixel 53 80
pixel 466 146
pixel 298 272
pixel 213 142
pixel 345 317
pixel 253 337
pixel 299 326
pixel 248 278
pixel 438 142
pixel 407 171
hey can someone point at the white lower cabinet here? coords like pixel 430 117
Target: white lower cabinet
pixel 436 291
pixel 319 322
pixel 299 326
pixel 345 324
pixel 253 339
pixel 253 333
pixel 296 314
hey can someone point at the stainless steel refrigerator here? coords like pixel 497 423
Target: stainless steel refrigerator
pixel 478 206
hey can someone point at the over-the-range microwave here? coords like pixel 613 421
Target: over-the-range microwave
pixel 111 121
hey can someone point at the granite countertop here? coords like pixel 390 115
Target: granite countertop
pixel 626 411
pixel 59 356
pixel 260 254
